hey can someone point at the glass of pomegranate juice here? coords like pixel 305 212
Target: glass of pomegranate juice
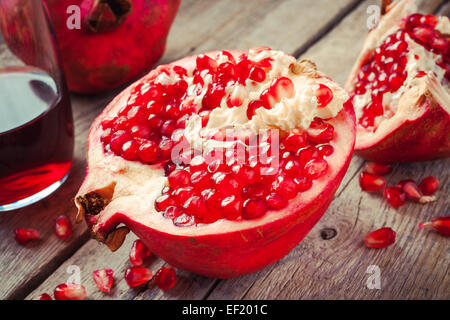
pixel 36 126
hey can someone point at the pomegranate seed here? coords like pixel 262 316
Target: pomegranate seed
pixel 179 178
pixel 285 186
pixel 320 132
pixel 148 152
pixel 206 63
pixel 324 95
pixel 103 278
pixel 169 167
pixel 165 147
pixel 231 207
pixel 316 168
pixel 163 202
pixel 282 88
pixel 44 296
pixel 168 128
pixel 377 168
pixel 212 199
pixel 23 236
pixel 257 74
pixel 197 163
pixel 371 182
pixel 201 180
pixel 137 276
pixel 130 150
pixel 140 131
pixel 165 278
pixel 184 220
pixel 70 291
pixel 172 212
pixel 293 168
pixel 380 238
pixel 245 174
pixel 254 190
pixel 440 224
pixel 307 154
pixel 394 197
pixel 429 186
pixel 118 139
pixel 139 252
pixel 295 141
pixel 224 183
pixel 63 227
pixel 253 208
pixel 303 184
pixel 325 150
pixel 195 206
pixel 275 201
pixel 412 191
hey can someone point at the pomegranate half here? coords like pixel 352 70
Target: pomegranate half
pixel 103 43
pixel 221 162
pixel 400 87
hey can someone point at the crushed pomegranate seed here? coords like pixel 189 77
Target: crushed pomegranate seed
pixel 137 276
pixel 440 224
pixel 23 236
pixel 63 227
pixel 165 278
pixel 380 238
pixel 70 291
pixel 139 252
pixel 104 280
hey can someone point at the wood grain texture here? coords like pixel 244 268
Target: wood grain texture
pixel 415 267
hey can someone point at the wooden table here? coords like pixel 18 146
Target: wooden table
pixel 331 34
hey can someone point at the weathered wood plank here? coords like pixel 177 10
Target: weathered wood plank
pixel 335 269
pixel 217 25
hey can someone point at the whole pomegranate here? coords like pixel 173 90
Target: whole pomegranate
pixel 102 43
pixel 400 87
pixel 221 162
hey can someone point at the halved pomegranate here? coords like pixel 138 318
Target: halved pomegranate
pixel 221 163
pixel 400 87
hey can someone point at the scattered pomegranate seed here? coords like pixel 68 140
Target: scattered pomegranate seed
pixel 165 278
pixel 63 227
pixel 371 182
pixel 380 238
pixel 70 291
pixel 379 169
pixel 412 191
pixel 394 197
pixel 429 186
pixel 23 236
pixel 44 296
pixel 139 252
pixel 137 276
pixel 440 224
pixel 103 279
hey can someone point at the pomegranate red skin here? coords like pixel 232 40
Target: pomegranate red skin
pixel 425 138
pixel 228 254
pixel 101 60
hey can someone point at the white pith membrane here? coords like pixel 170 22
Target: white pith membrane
pixel 136 185
pixel 402 104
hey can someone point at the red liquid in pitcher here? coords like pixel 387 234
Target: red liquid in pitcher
pixel 36 133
